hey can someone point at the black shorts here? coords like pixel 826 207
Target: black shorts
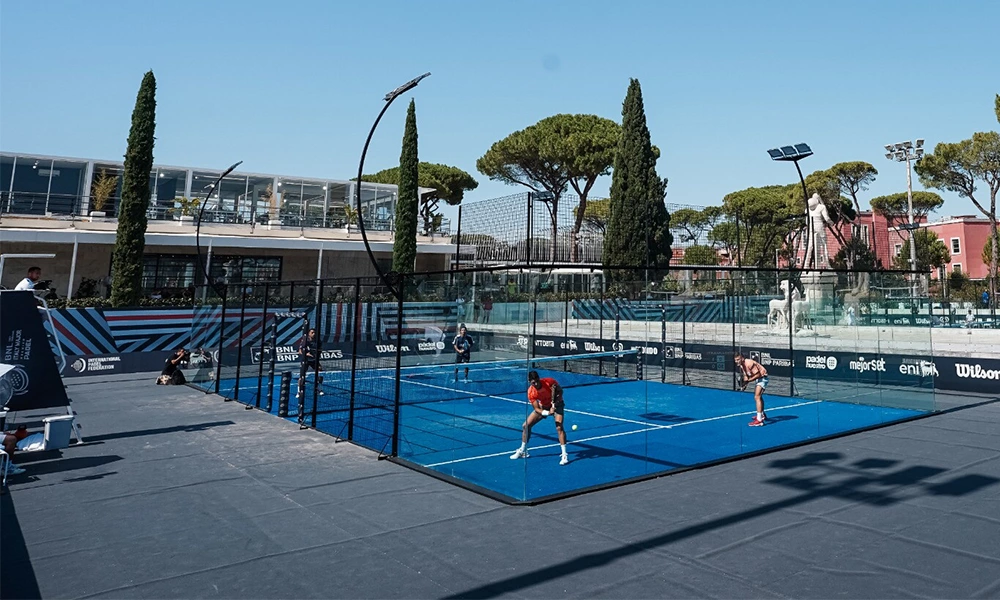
pixel 463 357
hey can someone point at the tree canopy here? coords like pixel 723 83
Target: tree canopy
pixel 766 218
pixel 130 241
pixel 895 207
pixel 638 233
pixel 958 167
pixel 700 255
pixel 931 252
pixel 692 224
pixel 404 247
pixel 853 178
pixel 556 152
pixel 448 183
pixel 595 215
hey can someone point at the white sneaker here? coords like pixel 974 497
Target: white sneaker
pixel 564 459
pixel 519 454
pixel 13 469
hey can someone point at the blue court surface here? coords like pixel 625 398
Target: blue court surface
pixel 625 428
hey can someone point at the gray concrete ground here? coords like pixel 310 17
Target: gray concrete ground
pixel 179 495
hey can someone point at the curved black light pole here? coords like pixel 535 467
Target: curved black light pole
pixel 409 85
pixel 197 229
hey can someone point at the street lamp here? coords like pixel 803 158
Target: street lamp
pixel 794 154
pixel 212 187
pixel 906 152
pixel 396 93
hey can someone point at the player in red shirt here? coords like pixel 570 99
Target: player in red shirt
pixel 546 398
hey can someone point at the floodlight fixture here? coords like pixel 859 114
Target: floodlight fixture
pixel 889 148
pixel 790 153
pixel 905 152
pixel 409 85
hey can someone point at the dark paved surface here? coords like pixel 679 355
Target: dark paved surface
pixel 179 495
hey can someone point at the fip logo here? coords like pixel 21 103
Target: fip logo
pixel 79 365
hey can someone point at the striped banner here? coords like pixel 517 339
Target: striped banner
pixel 81 331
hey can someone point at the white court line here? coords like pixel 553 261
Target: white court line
pixel 481 395
pixel 611 435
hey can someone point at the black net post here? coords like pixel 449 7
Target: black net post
pixel 640 357
pixel 317 377
pixel 735 316
pixel 618 343
pixel 355 334
pixel 283 392
pixel 791 332
pixel 291 297
pixel 534 321
pixel 399 364
pixel 530 228
pixel 566 324
pixel 222 340
pixel 263 342
pixel 663 344
pixel 273 345
pixel 239 341
pixel 303 375
pixel 684 346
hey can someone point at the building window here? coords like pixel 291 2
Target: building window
pixel 956 246
pixel 956 267
pixel 897 249
pixel 177 272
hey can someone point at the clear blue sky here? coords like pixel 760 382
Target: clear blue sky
pixel 292 87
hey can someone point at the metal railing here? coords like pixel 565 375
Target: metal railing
pixel 304 216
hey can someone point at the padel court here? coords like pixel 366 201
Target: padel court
pixel 626 426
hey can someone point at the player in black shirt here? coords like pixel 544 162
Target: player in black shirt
pixel 309 354
pixel 463 350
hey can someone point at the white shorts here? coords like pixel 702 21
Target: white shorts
pixel 762 383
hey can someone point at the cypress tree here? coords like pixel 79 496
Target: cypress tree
pixel 638 229
pixel 404 249
pixel 130 241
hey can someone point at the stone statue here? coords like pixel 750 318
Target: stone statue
pixel 816 249
pixel 789 311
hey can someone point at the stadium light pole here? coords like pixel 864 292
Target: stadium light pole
pixel 212 187
pixel 389 98
pixel 794 154
pixel 906 152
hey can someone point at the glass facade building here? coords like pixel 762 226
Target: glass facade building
pixel 72 187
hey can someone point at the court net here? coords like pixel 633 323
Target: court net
pixel 434 383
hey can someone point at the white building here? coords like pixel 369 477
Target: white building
pixel 263 227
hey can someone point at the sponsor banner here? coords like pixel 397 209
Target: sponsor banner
pixel 901 320
pixel 33 380
pixel 114 364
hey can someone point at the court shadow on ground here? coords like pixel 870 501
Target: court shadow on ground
pixel 17 577
pixel 875 482
pixel 587 451
pixel 158 431
pixel 61 465
pixel 664 417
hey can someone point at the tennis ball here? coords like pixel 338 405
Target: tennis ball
pixel 574 428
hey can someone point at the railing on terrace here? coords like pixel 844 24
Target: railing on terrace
pixel 307 216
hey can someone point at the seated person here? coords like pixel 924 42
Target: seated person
pixel 171 374
pixel 10 441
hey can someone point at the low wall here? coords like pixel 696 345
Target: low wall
pixel 114 341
